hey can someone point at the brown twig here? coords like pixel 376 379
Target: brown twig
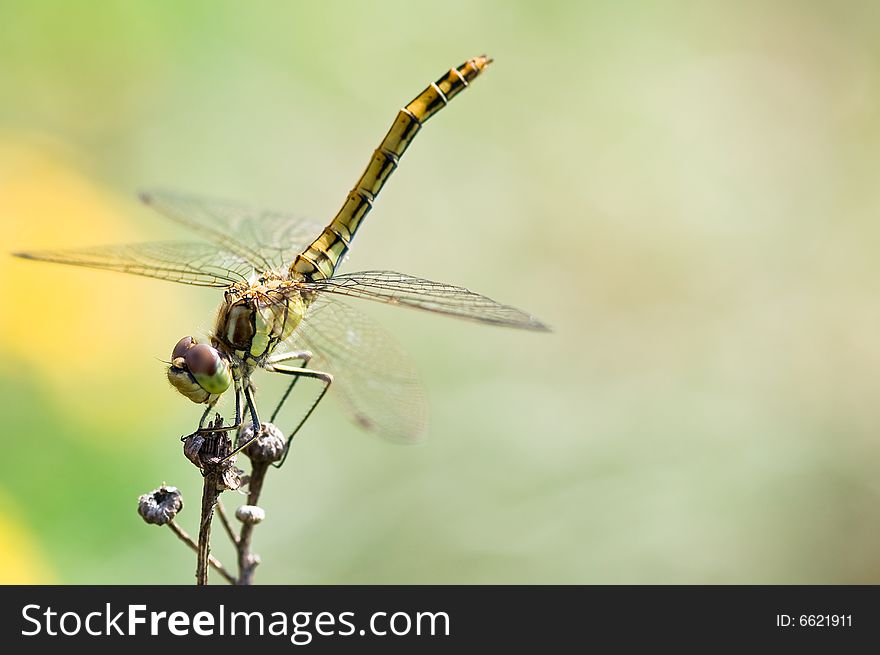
pixel 267 447
pixel 210 492
pixel 224 519
pixel 210 453
pixel 248 560
pixel 213 561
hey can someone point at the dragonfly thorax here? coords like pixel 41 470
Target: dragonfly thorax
pixel 254 318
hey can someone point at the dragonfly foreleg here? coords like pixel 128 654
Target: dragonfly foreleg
pixel 227 428
pixel 255 419
pixel 205 415
pixel 202 429
pixel 252 408
pixel 238 416
pixel 301 372
pixel 209 430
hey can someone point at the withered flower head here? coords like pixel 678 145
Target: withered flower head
pixel 160 505
pixel 267 447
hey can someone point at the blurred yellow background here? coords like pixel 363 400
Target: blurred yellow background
pixel 686 192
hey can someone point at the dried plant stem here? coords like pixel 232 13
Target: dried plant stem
pixel 211 451
pixel 247 560
pixel 210 454
pixel 224 519
pixel 213 561
pixel 210 492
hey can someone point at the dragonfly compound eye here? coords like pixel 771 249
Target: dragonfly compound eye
pixel 209 369
pixel 182 346
pixel 197 371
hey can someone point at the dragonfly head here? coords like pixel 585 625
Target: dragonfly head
pixel 198 371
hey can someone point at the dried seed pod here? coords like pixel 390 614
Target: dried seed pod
pixel 250 514
pixel 209 449
pixel 160 505
pixel 192 447
pixel 267 447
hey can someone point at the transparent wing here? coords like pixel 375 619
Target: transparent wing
pixel 267 239
pixel 401 289
pixel 199 264
pixel 374 379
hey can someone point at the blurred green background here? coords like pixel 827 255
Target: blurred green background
pixel 687 192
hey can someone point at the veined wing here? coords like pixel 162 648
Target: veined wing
pixel 267 239
pixel 199 264
pixel 374 379
pixel 401 289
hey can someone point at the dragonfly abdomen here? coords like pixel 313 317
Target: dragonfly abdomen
pixel 320 259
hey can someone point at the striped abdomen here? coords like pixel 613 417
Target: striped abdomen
pixel 320 259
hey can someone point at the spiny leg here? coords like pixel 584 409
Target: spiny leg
pixel 207 411
pixel 252 408
pixel 239 419
pixel 227 428
pixel 326 378
pixel 297 372
pixel 305 357
pixel 202 429
pixel 255 421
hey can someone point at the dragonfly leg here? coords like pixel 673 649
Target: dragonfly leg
pixel 301 372
pixel 304 356
pixel 239 419
pixel 201 429
pixel 205 415
pixel 255 420
pixel 252 408
pixel 227 428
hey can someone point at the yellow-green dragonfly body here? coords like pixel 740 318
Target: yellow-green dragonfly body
pixel 281 303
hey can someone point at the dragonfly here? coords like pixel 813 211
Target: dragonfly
pixel 284 306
